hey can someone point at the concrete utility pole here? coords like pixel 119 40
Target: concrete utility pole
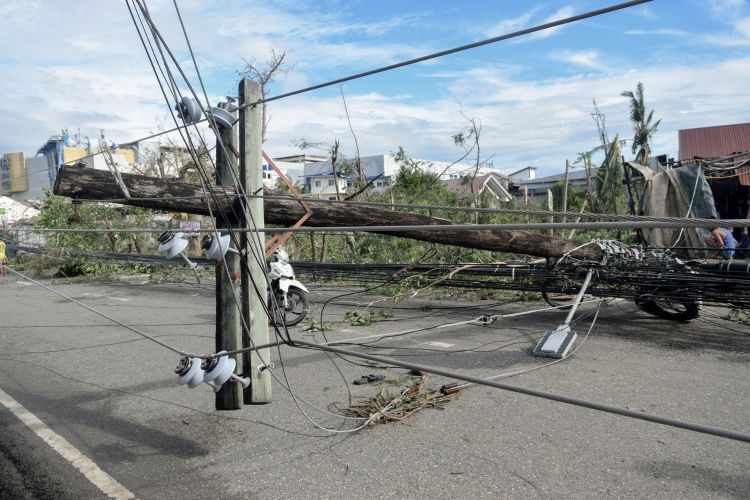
pixel 254 279
pixel 228 327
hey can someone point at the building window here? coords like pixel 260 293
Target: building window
pixel 330 182
pixel 331 197
pixel 317 184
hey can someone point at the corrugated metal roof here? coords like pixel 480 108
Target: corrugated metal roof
pixel 714 142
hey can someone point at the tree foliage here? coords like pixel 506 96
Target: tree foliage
pixel 643 127
pixel 60 213
pixel 610 194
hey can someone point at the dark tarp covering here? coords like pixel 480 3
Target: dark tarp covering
pixel 679 192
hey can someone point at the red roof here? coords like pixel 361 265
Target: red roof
pixel 714 142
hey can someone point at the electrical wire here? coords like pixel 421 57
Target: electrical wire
pixel 705 429
pixel 258 292
pixel 442 53
pixel 104 315
pixel 687 223
pixel 454 50
pixel 545 365
pixel 154 339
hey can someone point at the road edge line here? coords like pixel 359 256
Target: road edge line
pixel 106 483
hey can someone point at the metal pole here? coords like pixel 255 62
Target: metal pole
pixel 579 297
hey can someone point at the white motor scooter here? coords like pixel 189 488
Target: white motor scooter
pixel 287 297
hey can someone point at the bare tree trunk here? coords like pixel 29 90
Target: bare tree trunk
pixel 334 159
pixel 136 244
pixel 324 248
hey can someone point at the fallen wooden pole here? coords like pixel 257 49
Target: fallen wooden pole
pixel 149 192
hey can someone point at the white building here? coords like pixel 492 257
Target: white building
pixel 293 167
pixel 538 186
pixel 520 175
pixel 381 170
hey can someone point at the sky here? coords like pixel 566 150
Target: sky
pixel 79 64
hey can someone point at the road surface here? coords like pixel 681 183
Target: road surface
pixel 113 399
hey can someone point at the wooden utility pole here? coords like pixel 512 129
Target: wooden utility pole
pixel 228 327
pixel 551 208
pixel 526 200
pixel 159 194
pixel 565 190
pixel 254 279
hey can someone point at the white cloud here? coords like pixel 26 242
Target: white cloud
pixel 62 69
pixel 539 122
pixel 724 8
pixel 740 37
pixel 525 20
pixel 657 32
pixel 73 72
pixel 508 25
pixel 644 12
pixel 585 58
pixel 561 13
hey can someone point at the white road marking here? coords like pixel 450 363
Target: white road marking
pixel 440 344
pixel 118 298
pixel 106 483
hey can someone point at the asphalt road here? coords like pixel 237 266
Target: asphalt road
pixel 113 398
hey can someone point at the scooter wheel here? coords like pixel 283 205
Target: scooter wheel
pixel 295 311
pixel 671 309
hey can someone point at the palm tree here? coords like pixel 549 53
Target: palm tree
pixel 642 126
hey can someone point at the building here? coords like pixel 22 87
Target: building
pixel 537 187
pixel 380 170
pixel 293 168
pixel 729 181
pixel 524 174
pixel 714 142
pixel 25 178
pixel 492 189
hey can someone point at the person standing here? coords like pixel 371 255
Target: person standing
pixel 2 258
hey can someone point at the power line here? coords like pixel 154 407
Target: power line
pixel 650 224
pixel 409 62
pixel 682 424
pixel 103 315
pixel 454 50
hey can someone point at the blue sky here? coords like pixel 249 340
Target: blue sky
pixel 79 64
